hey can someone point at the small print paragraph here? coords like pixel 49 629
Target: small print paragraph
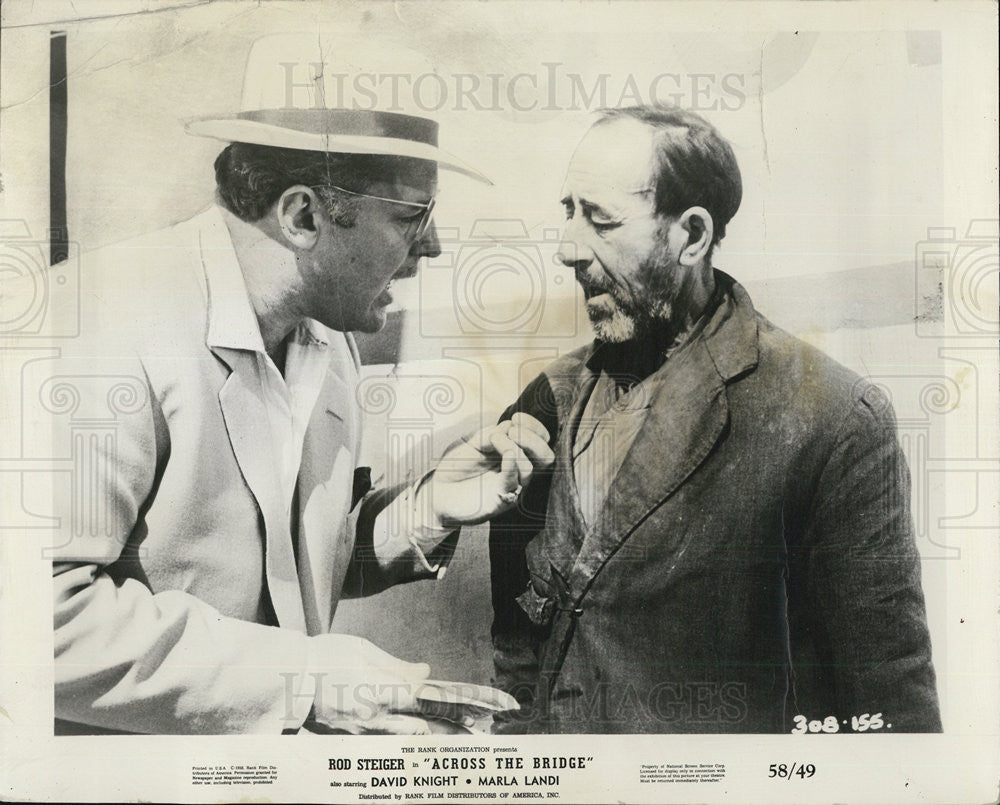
pixel 681 772
pixel 234 775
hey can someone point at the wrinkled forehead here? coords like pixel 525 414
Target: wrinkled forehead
pixel 613 158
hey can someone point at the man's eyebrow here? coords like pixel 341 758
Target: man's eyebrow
pixel 587 205
pixel 590 206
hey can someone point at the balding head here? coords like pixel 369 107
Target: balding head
pixel 692 165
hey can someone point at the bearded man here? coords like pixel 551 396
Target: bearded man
pixel 724 542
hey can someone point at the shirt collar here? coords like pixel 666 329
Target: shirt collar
pixel 311 333
pixel 232 322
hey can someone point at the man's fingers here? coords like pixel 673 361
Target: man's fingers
pixel 413 670
pixel 535 446
pixel 384 661
pixel 480 440
pixel 528 422
pixel 392 678
pixel 515 466
pixel 449 711
pixel 508 469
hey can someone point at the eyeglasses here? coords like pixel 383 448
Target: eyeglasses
pixel 423 223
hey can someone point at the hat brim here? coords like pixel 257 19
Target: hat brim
pixel 251 131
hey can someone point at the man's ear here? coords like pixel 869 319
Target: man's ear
pixel 697 224
pixel 299 217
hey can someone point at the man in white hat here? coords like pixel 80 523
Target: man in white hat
pixel 209 533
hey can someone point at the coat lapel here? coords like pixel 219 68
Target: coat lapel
pixel 566 541
pixel 686 417
pixel 688 414
pixel 325 486
pixel 233 337
pixel 245 413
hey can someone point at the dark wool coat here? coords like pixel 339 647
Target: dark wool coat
pixel 754 560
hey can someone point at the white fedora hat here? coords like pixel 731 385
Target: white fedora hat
pixel 288 80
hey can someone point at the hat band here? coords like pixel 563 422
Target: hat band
pixel 350 122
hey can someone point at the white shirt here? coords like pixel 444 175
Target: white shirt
pixel 291 398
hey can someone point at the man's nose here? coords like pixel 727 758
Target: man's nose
pixel 572 251
pixel 428 245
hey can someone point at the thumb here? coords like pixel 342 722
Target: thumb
pixel 411 671
pixel 394 665
pixel 508 461
pixel 508 471
pixel 416 670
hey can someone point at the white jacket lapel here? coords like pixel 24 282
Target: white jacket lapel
pixel 233 336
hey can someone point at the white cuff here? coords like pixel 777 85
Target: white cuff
pixel 408 525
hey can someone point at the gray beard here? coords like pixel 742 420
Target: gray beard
pixel 628 322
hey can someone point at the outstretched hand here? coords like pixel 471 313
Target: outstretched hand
pixel 482 476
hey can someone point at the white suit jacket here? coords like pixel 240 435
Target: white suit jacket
pixel 183 602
